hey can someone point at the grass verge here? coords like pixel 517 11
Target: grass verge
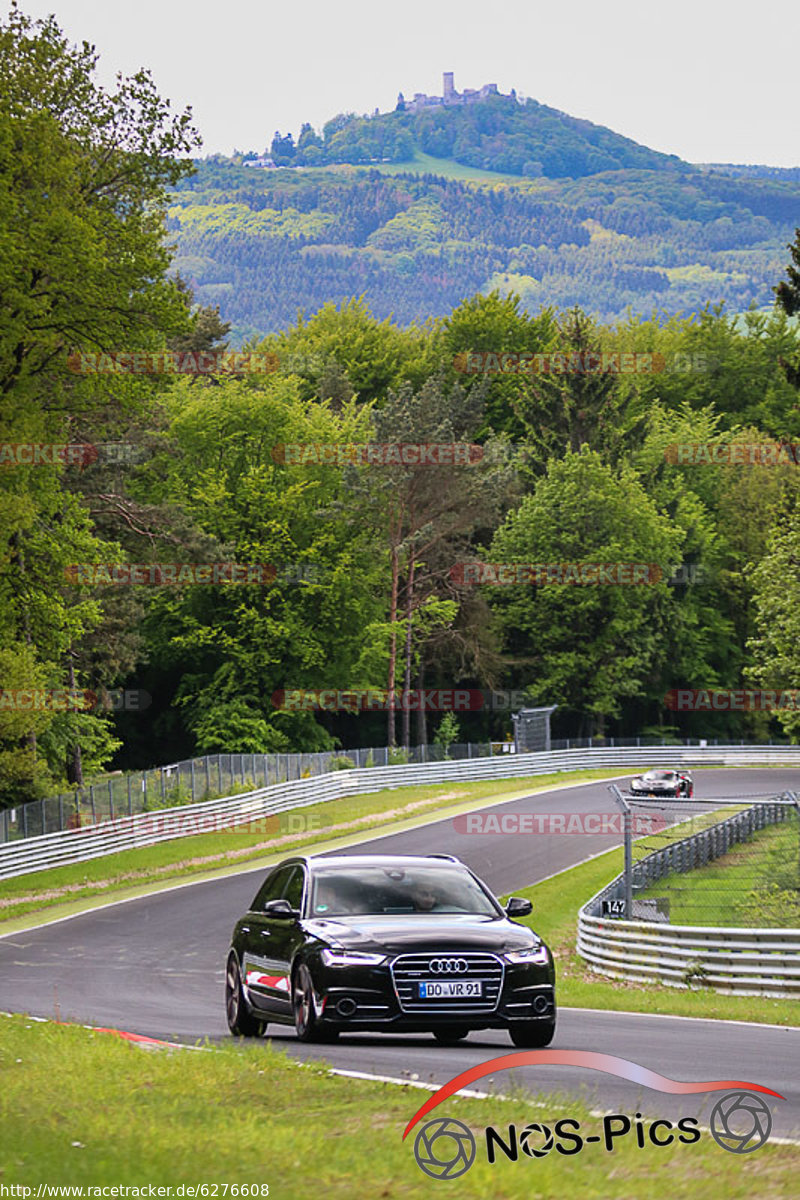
pixel 755 883
pixel 556 903
pixel 250 1116
pixel 389 810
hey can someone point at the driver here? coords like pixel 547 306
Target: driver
pixel 424 897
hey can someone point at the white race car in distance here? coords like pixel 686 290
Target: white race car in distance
pixel 663 783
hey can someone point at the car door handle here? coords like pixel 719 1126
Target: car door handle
pixel 265 933
pixel 245 928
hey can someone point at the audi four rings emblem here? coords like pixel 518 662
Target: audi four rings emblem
pixel 448 966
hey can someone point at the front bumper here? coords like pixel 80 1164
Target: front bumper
pixel 656 793
pixel 375 998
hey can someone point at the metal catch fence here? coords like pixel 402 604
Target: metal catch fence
pixel 716 908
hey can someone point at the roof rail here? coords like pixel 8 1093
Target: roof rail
pixel 448 857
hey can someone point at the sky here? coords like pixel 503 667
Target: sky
pixel 708 80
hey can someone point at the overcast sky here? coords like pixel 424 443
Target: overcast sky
pixel 709 80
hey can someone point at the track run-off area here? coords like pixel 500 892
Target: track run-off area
pixel 155 966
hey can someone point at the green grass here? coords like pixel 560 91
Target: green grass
pixel 556 903
pixel 79 1108
pixel 740 887
pixel 427 164
pixel 203 854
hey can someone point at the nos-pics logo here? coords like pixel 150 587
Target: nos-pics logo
pixel 445 1148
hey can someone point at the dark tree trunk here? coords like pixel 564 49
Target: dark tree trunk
pixel 74 763
pixel 391 738
pixel 422 720
pixel 407 676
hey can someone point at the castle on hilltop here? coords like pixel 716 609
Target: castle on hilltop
pixel 450 97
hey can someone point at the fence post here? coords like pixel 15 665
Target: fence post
pixel 91 801
pixel 60 811
pixel 110 801
pixel 130 795
pixel 144 791
pixel 192 761
pixel 627 831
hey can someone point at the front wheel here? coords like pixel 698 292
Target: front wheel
pixel 306 1022
pixel 532 1033
pixel 241 1021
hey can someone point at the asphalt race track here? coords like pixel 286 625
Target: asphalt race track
pixel 155 966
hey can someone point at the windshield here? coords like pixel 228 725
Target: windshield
pixel 397 890
pixel 659 774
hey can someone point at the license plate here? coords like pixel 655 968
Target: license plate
pixel 437 989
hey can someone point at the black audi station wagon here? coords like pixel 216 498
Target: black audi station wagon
pixel 400 944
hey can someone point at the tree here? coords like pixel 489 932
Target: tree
pixel 208 333
pixel 776 644
pixel 788 296
pixel 495 324
pixel 373 355
pixel 573 403
pixel 447 732
pixel 711 358
pixel 223 653
pixel 587 648
pixel 84 174
pixel 423 513
pixel 726 512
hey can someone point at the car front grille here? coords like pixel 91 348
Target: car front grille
pixel 409 969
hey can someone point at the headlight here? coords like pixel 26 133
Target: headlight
pixel 537 955
pixel 351 958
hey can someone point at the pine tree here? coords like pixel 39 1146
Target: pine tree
pixel 788 296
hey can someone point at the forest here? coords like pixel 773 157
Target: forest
pixel 163 536
pixel 265 244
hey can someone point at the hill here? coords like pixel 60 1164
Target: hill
pixel 492 194
pixel 492 133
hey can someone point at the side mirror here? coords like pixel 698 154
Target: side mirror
pixel 517 906
pixel 281 910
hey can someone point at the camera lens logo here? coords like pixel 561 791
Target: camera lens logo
pixel 529 1137
pixel 741 1122
pixel 444 1148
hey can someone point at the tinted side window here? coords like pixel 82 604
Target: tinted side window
pixel 294 892
pixel 271 888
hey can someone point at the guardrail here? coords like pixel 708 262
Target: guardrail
pixel 22 856
pixel 739 961
pixel 193 780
